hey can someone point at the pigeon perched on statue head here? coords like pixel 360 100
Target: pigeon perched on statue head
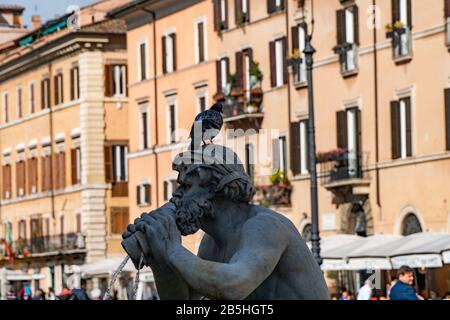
pixel 207 125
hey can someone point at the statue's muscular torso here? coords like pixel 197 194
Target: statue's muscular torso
pixel 296 276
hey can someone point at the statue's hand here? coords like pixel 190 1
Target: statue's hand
pixel 161 234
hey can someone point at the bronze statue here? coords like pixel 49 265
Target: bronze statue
pixel 247 252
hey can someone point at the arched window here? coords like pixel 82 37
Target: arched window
pixel 411 225
pixel 306 233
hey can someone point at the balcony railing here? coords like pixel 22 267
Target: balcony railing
pixel 44 245
pixel 341 166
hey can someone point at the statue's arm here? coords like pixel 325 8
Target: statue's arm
pixel 261 246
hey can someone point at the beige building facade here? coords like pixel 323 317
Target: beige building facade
pixel 64 142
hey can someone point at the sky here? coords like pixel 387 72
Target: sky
pixel 47 9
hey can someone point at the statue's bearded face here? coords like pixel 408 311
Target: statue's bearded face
pixel 193 201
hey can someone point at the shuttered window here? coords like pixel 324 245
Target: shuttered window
pixel 60 170
pixel 299 33
pixel 75 155
pixel 120 219
pixel 22 229
pixel 143 194
pixel 108 164
pixel 32 98
pixel 32 175
pixel 401 128
pixel 299 147
pixel 142 61
pixel 169 53
pixel 46 173
pixel 119 82
pixel 74 83
pixel 5 107
pixel 169 188
pixel 220 15
pixel 242 11
pixel 239 70
pixel 447 118
pixel 6 170
pixel 279 159
pixel 19 102
pixel 59 92
pixel 120 166
pixel 278 63
pixel 20 178
pixel 172 124
pixel 45 93
pixel 223 73
pixel 275 5
pixel 200 34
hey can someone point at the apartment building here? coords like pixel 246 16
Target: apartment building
pixel 64 143
pixel 172 65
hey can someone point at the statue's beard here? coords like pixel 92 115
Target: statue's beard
pixel 190 212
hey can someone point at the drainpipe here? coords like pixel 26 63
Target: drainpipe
pixel 52 194
pixel 375 73
pixel 155 88
pixel 287 49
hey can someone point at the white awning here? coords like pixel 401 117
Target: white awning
pixel 17 275
pixel 385 252
pixel 108 266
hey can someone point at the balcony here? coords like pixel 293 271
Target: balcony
pixel 348 58
pixel 276 194
pixel 45 246
pixel 342 173
pixel 401 37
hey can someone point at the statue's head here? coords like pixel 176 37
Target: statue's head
pixel 207 175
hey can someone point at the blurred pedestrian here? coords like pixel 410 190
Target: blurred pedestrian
pixel 11 294
pixel 433 296
pixel 39 295
pixel 365 292
pixel 403 290
pixel 81 294
pixel 51 294
pixel 25 292
pixel 345 296
pixel 65 294
pixel 96 294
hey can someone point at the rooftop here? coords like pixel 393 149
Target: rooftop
pixel 11 7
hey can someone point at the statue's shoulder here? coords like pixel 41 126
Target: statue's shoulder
pixel 264 216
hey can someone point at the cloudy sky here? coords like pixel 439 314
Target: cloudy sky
pixel 47 9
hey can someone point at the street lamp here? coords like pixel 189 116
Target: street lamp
pixel 309 52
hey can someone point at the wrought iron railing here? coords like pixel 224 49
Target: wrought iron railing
pixel 344 166
pixel 38 245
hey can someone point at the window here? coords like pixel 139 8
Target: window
pixel 22 229
pixel 278 65
pixel 142 60
pixel 244 60
pixel 76 165
pixel 201 103
pixel 220 15
pixel 447 118
pixel 32 98
pixel 115 80
pixel 223 74
pixel 78 223
pixel 402 35
pixel 60 170
pixel 275 5
pixel 19 102
pixel 349 138
pixel 20 178
pixel 200 41
pixel 144 129
pixel 45 93
pixel 59 92
pixel 172 134
pixel 348 38
pixel 32 175
pixel 169 43
pixel 299 147
pixel 279 161
pixel 169 187
pixel 242 12
pixel 120 218
pixel 143 194
pixel 74 83
pixel 6 181
pixel 46 173
pixel 299 34
pixel 401 128
pixel 120 165
pixel 411 225
pixel 5 107
pixel 249 160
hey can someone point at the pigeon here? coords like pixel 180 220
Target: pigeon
pixel 208 123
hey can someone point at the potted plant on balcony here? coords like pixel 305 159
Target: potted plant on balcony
pixel 295 58
pixel 252 107
pixel 333 155
pixel 397 27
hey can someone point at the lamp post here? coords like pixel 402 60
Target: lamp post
pixel 309 52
